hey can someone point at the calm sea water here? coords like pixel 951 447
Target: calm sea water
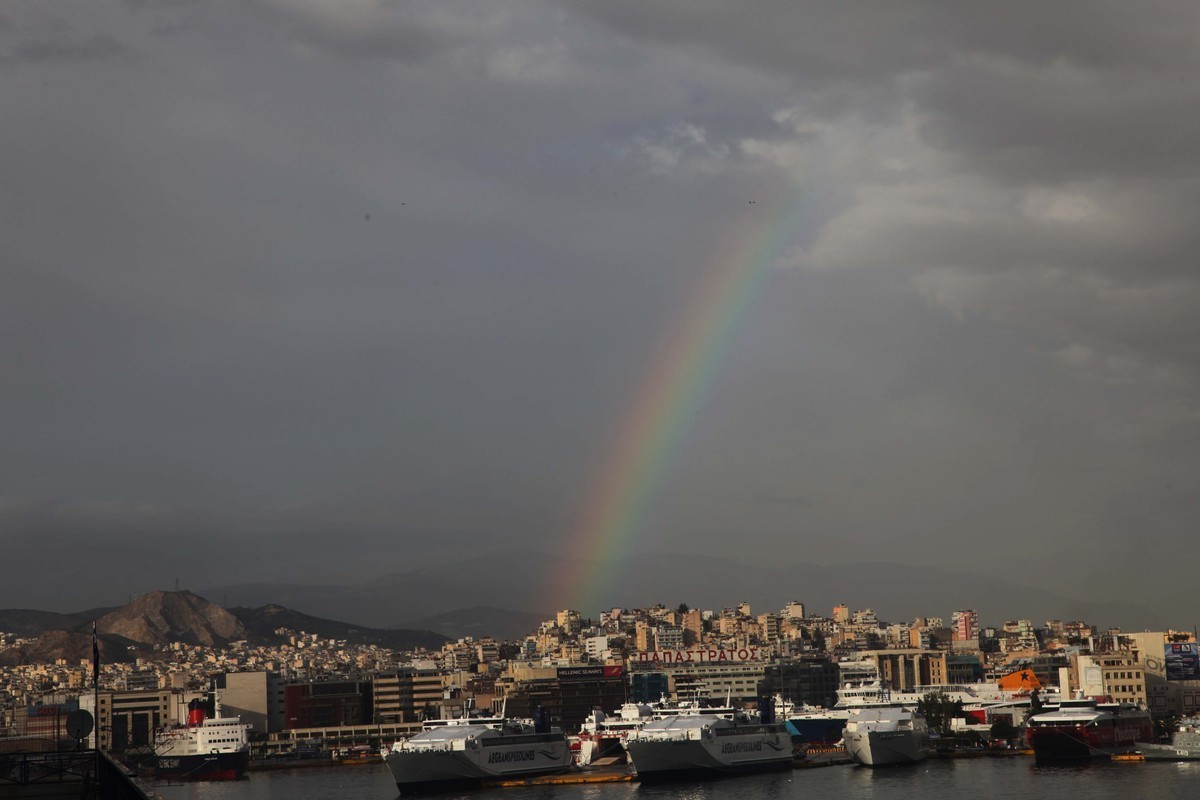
pixel 1016 778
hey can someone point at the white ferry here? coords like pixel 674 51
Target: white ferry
pixel 707 745
pixel 471 751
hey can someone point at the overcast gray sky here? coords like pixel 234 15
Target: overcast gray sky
pixel 400 269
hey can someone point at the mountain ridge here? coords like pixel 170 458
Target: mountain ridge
pixel 542 584
pixel 160 618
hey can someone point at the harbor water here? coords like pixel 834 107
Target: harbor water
pixel 1014 778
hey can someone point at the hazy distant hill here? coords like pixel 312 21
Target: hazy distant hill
pixel 159 618
pixel 155 618
pixel 164 617
pixel 539 585
pixel 260 625
pixel 74 647
pixel 30 622
pixel 479 621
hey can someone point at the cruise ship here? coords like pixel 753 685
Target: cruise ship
pixel 882 735
pixel 205 749
pixel 468 752
pixel 692 745
pixel 1084 729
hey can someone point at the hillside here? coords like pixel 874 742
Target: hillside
pixel 260 625
pixel 160 618
pixel 31 622
pixel 74 647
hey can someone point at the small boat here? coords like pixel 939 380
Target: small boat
pixel 1184 746
pixel 601 734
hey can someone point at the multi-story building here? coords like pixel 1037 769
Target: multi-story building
pixel 1117 676
pixel 693 627
pixel 127 720
pixel 644 637
pixel 569 695
pixel 256 697
pixel 770 626
pixel 965 624
pixel 568 621
pixel 403 695
pixel 909 668
pixel 731 672
pixel 865 616
pixel 793 610
pixel 1021 635
pixel 597 648
pixel 1166 693
pixel 669 637
pixel 808 680
pixel 327 704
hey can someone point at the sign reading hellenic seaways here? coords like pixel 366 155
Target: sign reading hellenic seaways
pixel 696 656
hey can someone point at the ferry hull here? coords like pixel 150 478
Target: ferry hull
pixel 1070 744
pixel 1168 752
pixel 660 761
pixel 885 748
pixel 423 772
pixel 203 767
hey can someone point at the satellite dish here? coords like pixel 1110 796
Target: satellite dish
pixel 79 724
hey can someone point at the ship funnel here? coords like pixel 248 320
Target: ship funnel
pixel 195 713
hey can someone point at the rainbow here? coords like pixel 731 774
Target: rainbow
pixel 675 384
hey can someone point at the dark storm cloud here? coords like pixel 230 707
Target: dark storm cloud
pixel 405 32
pixel 67 49
pixel 396 270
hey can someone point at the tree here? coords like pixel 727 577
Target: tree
pixel 939 709
pixel 1003 728
pixel 683 608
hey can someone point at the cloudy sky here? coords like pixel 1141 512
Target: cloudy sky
pixel 406 269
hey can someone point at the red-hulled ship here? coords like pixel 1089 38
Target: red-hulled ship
pixel 205 749
pixel 1084 728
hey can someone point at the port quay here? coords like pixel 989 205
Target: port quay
pixel 319 703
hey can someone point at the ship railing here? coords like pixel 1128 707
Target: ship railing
pixel 24 769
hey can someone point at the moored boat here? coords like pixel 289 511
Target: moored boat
pixel 468 752
pixel 1184 746
pixel 206 749
pixel 884 735
pixel 687 746
pixel 1084 728
pixel 601 734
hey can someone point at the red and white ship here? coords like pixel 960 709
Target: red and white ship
pixel 205 749
pixel 1084 728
